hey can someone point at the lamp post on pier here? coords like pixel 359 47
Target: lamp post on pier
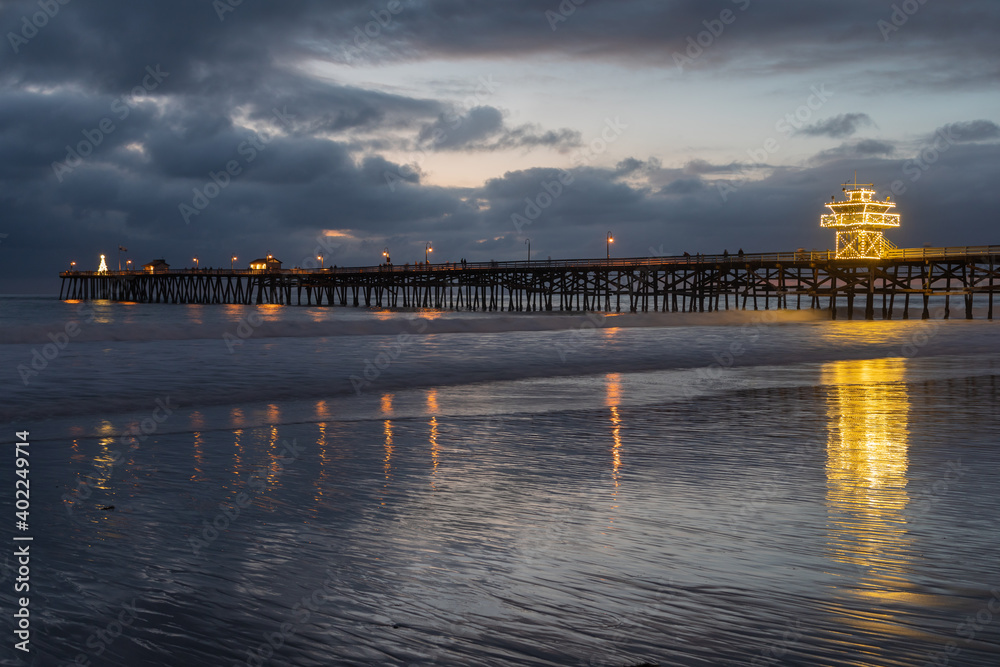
pixel 528 241
pixel 232 262
pixel 427 249
pixel 607 245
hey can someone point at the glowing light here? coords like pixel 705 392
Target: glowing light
pixel 866 470
pixel 103 268
pixel 859 221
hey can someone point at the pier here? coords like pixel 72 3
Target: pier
pixel 898 285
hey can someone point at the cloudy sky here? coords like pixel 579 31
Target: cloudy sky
pixel 211 128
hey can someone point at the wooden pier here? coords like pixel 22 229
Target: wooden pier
pixel 899 285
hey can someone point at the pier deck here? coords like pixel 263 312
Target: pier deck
pixel 894 286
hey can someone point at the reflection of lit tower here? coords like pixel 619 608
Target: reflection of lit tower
pixel 859 221
pixel 103 268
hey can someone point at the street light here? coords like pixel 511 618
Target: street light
pixel 195 262
pixel 611 240
pixel 427 249
pixel 72 266
pixel 128 264
pixel 232 262
pixel 319 258
pixel 528 241
pixel 385 253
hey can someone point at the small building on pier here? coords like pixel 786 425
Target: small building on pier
pixel 156 266
pixel 269 263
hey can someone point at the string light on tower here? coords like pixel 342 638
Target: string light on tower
pixel 860 221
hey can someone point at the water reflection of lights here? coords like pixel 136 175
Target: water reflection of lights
pixel 614 389
pixel 432 408
pixel 868 411
pixel 324 460
pixel 388 447
pixel 198 423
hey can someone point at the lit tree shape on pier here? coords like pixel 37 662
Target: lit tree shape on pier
pixel 103 268
pixel 859 221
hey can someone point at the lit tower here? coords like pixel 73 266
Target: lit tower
pixel 103 268
pixel 859 221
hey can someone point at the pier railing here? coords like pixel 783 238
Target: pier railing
pixel 956 252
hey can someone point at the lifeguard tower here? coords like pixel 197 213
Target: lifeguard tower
pixel 860 221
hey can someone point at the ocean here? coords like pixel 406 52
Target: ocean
pixel 266 485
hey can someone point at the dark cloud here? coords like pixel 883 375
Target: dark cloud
pixel 857 149
pixel 483 129
pixel 704 167
pixel 313 153
pixel 837 127
pixel 973 130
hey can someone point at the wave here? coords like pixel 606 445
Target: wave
pixel 259 324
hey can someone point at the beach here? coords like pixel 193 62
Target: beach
pixel 236 485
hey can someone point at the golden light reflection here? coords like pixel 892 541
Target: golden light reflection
pixel 197 422
pixel 387 459
pixel 199 458
pixel 435 449
pixel 616 448
pixel 387 403
pixel 613 388
pixel 194 312
pixel 273 414
pixel 238 455
pixel 324 460
pixel 104 462
pixel 868 410
pixel 432 408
